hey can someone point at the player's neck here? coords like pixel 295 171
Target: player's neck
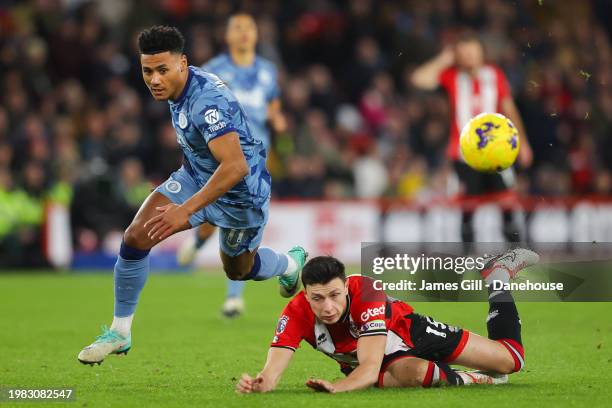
pixel 243 59
pixel 473 72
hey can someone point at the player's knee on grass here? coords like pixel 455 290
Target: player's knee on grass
pixel 205 231
pixel 481 353
pixel 512 361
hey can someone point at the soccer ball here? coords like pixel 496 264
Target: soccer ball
pixel 489 142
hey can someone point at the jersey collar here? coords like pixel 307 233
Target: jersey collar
pixel 231 61
pixel 347 312
pixel 181 97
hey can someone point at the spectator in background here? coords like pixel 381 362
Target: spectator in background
pixel 71 98
pixel 474 87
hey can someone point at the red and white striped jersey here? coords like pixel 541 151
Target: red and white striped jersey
pixel 470 95
pixel 369 313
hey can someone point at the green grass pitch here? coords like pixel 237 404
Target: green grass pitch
pixel 185 354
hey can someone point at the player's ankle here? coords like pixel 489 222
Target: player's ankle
pixel 122 325
pixel 292 266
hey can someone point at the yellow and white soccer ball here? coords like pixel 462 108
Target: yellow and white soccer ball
pixel 489 142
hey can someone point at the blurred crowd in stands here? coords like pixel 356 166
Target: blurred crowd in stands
pixel 78 127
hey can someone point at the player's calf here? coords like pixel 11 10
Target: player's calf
pixel 238 267
pixel 416 372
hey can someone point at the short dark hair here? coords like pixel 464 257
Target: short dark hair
pixel 321 270
pixel 160 38
pixel 467 36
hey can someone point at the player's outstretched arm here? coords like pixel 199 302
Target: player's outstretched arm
pixel 370 353
pixel 276 363
pixel 427 75
pixel 232 168
pixel 276 117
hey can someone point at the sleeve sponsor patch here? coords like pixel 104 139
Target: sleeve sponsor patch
pixel 211 116
pixel 282 324
pixel 374 325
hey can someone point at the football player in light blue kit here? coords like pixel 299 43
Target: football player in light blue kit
pixel 223 181
pixel 253 80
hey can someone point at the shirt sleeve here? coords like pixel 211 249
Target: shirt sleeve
pixel 503 87
pixel 446 76
pixel 290 329
pixel 369 309
pixel 274 90
pixel 213 114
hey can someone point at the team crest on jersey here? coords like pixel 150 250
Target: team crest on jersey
pixel 173 186
pixel 234 237
pixel 264 77
pixel 282 324
pixel 211 116
pixel 182 120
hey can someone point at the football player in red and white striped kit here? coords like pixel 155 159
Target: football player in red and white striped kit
pixel 381 341
pixel 474 87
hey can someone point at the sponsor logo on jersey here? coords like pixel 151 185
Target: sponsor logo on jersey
pixel 217 126
pixel 282 324
pixel 182 120
pixel 321 339
pixel 371 312
pixel 254 98
pixel 374 325
pixel 173 186
pixel 211 116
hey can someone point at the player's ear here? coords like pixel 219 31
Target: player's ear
pixel 183 62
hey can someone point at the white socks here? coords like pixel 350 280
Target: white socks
pixel 292 266
pixel 122 325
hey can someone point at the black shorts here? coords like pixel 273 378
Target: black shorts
pixel 476 182
pixel 432 340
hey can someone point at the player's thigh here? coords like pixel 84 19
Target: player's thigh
pixel 177 189
pixel 238 248
pixel 136 235
pixel 485 354
pixel 433 340
pixel 206 230
pixel 407 371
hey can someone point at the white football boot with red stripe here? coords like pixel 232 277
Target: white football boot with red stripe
pixel 506 266
pixel 481 377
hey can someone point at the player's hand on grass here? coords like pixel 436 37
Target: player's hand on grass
pixel 321 385
pixel 248 384
pixel 172 218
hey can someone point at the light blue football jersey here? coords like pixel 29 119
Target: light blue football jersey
pixel 255 87
pixel 205 110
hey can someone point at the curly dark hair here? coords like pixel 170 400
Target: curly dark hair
pixel 160 38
